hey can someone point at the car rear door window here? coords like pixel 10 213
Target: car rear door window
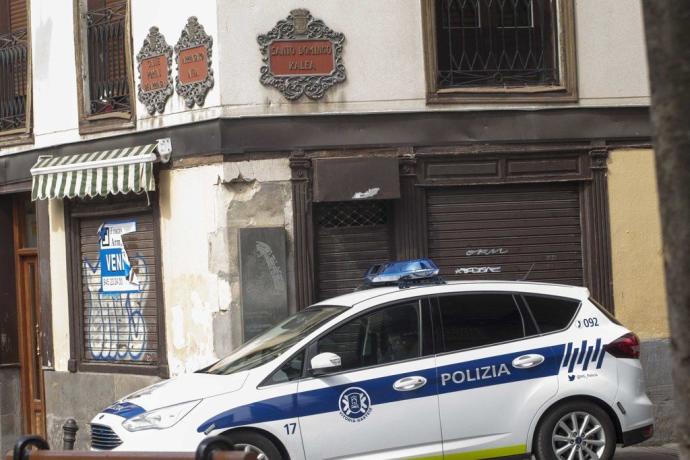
pixel 551 313
pixel 475 320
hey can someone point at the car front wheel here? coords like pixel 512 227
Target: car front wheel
pixel 576 430
pixel 254 443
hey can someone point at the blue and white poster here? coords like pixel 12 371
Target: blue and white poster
pixel 117 276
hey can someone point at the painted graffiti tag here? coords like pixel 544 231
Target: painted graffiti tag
pixel 114 325
pixel 477 270
pixel 486 252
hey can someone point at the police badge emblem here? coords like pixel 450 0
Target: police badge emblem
pixel 355 404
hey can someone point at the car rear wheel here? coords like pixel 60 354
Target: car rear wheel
pixel 576 430
pixel 255 443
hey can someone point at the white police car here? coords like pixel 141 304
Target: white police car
pixel 462 370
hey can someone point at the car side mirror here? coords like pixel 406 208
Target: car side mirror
pixel 324 362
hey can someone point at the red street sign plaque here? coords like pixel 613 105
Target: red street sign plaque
pixel 155 82
pixel 301 57
pixel 193 65
pixel 193 55
pixel 154 73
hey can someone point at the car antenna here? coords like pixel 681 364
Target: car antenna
pixel 528 272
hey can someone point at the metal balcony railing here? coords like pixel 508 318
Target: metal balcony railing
pixel 108 82
pixel 13 80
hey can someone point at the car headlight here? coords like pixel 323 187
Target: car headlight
pixel 160 419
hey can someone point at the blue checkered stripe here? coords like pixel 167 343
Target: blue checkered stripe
pixel 584 357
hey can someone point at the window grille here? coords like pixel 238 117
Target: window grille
pixel 351 214
pixel 14 64
pixel 107 62
pixel 496 43
pixel 13 79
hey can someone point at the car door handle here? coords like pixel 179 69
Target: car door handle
pixel 409 383
pixel 528 361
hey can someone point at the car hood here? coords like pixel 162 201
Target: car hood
pixel 178 390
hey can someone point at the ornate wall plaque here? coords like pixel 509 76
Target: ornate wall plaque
pixel 302 56
pixel 155 65
pixel 193 56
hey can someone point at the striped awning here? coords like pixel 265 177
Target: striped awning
pixel 94 174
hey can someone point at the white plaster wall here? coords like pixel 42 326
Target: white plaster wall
pixel 612 60
pixel 54 73
pixel 199 257
pixel 59 285
pixel 170 16
pixel 188 199
pixel 383 56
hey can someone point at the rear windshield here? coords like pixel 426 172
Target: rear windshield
pixel 605 311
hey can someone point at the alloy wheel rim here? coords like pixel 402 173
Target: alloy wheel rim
pixel 251 449
pixel 578 436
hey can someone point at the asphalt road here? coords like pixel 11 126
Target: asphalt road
pixel 669 452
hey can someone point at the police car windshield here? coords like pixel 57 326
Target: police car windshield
pixel 275 341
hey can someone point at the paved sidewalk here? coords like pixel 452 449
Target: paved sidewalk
pixel 667 452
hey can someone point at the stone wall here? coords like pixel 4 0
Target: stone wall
pixel 81 396
pixel 656 362
pixel 10 410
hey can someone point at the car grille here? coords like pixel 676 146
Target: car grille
pixel 103 437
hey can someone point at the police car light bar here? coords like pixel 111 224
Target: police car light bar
pixel 403 273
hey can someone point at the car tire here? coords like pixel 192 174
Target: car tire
pixel 581 426
pixel 250 441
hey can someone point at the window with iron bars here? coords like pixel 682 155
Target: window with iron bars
pixel 106 40
pixel 500 46
pixel 14 65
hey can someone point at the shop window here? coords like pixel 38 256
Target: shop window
pixel 117 305
pixel 105 64
pixel 498 49
pixel 15 49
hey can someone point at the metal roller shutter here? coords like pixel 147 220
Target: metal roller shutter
pixel 120 328
pixel 350 237
pixel 498 232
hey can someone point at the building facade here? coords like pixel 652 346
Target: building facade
pixel 171 184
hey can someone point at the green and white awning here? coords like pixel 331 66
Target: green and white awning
pixel 94 174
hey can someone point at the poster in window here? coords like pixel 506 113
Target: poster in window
pixel 117 275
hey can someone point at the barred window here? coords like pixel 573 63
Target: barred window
pixel 14 60
pixel 107 60
pixel 105 74
pixel 500 47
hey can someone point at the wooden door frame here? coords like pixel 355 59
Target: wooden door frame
pixel 26 355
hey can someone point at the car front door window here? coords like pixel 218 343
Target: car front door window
pixel 385 336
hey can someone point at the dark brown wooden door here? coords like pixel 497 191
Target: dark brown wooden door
pixel 32 372
pixel 29 313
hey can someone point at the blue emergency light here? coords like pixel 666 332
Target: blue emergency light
pixel 403 273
